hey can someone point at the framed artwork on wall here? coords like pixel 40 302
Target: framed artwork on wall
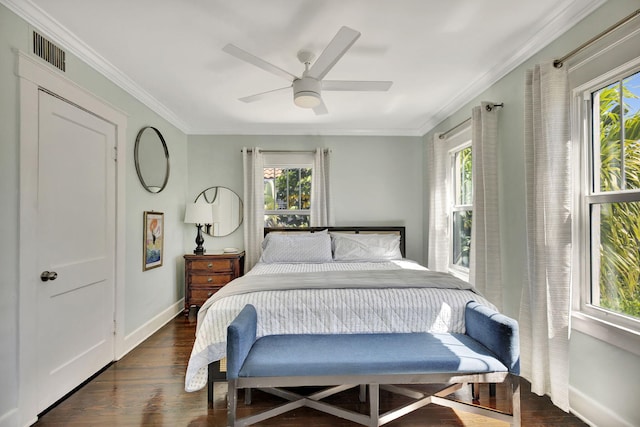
pixel 153 242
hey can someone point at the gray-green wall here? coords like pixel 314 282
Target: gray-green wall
pixel 374 180
pixel 604 379
pixel 147 294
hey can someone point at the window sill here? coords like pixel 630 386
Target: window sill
pixel 610 333
pixel 460 273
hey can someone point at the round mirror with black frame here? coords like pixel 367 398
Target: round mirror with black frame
pixel 227 210
pixel 152 159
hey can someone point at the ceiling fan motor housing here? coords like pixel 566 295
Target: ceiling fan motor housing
pixel 306 92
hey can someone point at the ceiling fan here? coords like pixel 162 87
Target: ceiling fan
pixel 307 89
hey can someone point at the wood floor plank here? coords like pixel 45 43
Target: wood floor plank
pixel 146 388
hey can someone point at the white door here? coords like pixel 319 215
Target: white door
pixel 76 246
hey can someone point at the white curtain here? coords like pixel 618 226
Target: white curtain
pixel 253 163
pixel 321 207
pixel 545 304
pixel 438 162
pixel 485 268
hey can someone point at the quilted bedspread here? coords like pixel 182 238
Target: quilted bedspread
pixel 340 298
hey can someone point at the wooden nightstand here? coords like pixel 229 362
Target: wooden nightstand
pixel 204 275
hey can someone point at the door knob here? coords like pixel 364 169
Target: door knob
pixel 48 275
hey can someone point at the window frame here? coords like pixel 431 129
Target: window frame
pixel 458 142
pixel 611 327
pixel 293 160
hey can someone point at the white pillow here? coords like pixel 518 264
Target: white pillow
pixel 265 242
pixel 297 248
pixel 365 247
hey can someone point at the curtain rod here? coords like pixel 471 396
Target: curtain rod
pixel 443 135
pixel 250 150
pixel 489 107
pixel 559 62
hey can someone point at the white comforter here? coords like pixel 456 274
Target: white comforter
pixel 396 296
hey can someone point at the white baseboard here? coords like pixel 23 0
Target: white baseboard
pixel 13 417
pixel 10 419
pixel 593 412
pixel 134 339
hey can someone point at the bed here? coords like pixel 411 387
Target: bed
pixel 336 280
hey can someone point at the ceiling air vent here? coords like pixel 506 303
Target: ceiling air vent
pixel 48 51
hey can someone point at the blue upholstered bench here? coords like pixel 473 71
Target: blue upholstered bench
pixel 487 353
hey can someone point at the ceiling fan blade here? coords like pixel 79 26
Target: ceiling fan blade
pixel 260 63
pixel 259 96
pixel 333 52
pixel 320 109
pixel 356 85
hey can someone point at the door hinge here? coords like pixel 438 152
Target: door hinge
pixel 115 154
pixel 114 326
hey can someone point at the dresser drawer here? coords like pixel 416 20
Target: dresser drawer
pixel 211 279
pixel 204 275
pixel 217 265
pixel 200 295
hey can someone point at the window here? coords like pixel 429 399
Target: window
pixel 287 197
pixel 287 189
pixel 451 201
pixel 462 207
pixel 610 201
pixel 457 156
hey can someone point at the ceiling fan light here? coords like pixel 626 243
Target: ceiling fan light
pixel 307 99
pixel 306 92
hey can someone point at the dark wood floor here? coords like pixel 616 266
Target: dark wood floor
pixel 146 388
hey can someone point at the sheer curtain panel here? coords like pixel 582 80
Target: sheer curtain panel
pixel 253 164
pixel 485 268
pixel 321 208
pixel 545 304
pixel 439 246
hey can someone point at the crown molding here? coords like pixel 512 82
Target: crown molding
pixel 572 13
pixel 39 19
pixel 306 130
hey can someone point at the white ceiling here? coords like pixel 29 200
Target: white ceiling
pixel 168 53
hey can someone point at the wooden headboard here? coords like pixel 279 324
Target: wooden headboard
pixel 399 230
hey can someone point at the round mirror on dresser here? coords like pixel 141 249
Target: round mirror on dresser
pixel 152 159
pixel 227 210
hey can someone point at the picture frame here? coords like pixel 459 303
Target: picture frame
pixel 153 240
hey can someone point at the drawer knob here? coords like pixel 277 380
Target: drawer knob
pixel 209 279
pixel 210 265
pixel 209 294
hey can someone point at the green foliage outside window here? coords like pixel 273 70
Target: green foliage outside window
pixel 619 233
pixel 287 189
pixel 462 219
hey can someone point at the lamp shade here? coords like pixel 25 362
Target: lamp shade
pixel 198 213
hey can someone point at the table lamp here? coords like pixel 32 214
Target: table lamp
pixel 198 214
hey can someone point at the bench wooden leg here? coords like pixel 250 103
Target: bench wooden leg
pixel 515 399
pixel 374 418
pixel 374 405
